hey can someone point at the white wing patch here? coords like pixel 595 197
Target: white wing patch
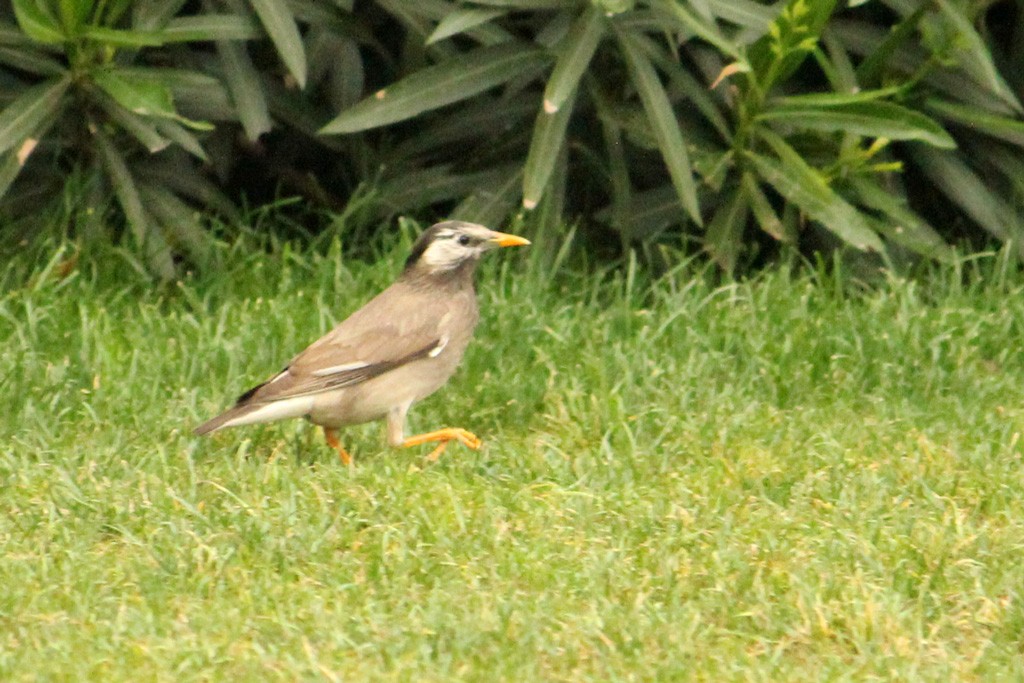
pixel 441 344
pixel 280 375
pixel 338 369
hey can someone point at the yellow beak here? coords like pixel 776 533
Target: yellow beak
pixel 503 239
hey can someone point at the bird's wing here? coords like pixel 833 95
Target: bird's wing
pixel 394 328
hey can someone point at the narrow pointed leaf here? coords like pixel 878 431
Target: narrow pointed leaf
pixel 905 226
pixel 548 140
pixel 31 61
pixel 180 219
pixel 142 97
pixel 970 192
pixel 576 52
pixel 278 20
pixel 975 118
pixel 680 14
pixel 491 204
pixel 805 187
pixel 977 55
pixel 461 21
pixel 37 24
pixel 723 238
pixel 179 135
pixel 663 121
pixel 763 212
pixel 439 85
pixel 211 27
pixel 9 170
pixel 29 110
pixel 140 128
pixel 147 235
pixel 122 38
pixel 524 4
pixel 246 90
pixel 873 119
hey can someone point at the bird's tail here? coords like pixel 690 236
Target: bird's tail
pixel 218 422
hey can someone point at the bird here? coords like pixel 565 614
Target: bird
pixel 400 347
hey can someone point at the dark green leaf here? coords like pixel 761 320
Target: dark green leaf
pixel 724 236
pixel 246 90
pixel 181 221
pixel 529 4
pixel 547 142
pixel 140 128
pixel 148 237
pixel 763 212
pixel 663 121
pixel 143 97
pixel 462 20
pixel 904 226
pixel 279 22
pixel 37 23
pixel 974 118
pixel 431 185
pixel 576 52
pixel 874 119
pixel 437 86
pixel 977 57
pixel 491 204
pixel 210 27
pixel 805 187
pixel 31 61
pixel 970 192
pixel 120 38
pixel 180 136
pixel 23 116
pixel 678 13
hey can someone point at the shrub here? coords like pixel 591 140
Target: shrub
pixel 745 127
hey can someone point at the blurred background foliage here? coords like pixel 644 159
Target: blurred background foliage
pixel 738 128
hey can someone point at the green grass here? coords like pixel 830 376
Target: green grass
pixel 788 478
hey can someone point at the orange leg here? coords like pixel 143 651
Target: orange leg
pixel 331 435
pixel 468 439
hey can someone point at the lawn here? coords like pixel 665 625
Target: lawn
pixel 796 477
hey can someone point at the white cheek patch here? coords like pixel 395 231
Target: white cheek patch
pixel 443 254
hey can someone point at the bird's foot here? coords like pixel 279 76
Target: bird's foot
pixel 466 438
pixel 331 435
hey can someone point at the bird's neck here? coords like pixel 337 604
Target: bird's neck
pixel 460 277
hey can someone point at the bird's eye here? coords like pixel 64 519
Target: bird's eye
pixel 464 240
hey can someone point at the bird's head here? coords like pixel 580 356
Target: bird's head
pixel 448 246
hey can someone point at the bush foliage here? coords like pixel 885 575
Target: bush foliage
pixel 881 125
